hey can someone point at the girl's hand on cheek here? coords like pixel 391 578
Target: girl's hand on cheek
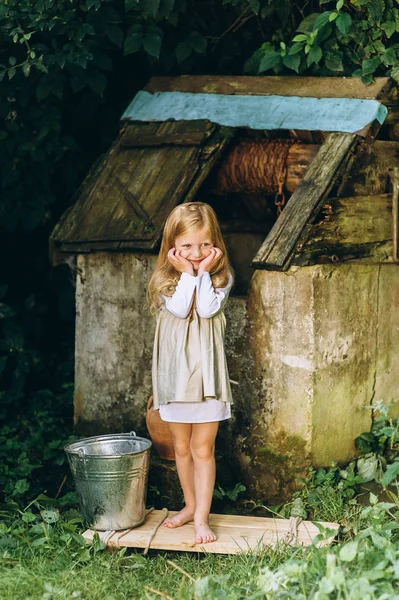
pixel 210 262
pixel 182 265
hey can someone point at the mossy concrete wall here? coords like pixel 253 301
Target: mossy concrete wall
pixel 307 350
pixel 323 347
pixel 114 334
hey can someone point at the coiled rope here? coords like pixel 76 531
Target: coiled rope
pixel 256 166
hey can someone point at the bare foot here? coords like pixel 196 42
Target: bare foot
pixel 204 534
pixel 184 516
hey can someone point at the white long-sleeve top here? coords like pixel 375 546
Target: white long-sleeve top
pixel 209 301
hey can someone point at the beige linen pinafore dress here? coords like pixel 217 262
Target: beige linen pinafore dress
pixel 190 377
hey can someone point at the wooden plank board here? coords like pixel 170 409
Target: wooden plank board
pixel 235 533
pixel 279 246
pixel 132 191
pixel 369 172
pixel 357 228
pixel 179 133
pixel 313 87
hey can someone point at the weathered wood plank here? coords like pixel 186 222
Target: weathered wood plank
pixel 183 133
pixel 85 247
pixel 236 534
pixel 280 244
pixel 368 174
pixel 350 228
pixel 210 155
pixel 315 87
pixel 134 190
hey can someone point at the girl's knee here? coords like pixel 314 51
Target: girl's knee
pixel 202 451
pixel 182 448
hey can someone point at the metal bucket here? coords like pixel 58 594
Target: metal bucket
pixel 111 473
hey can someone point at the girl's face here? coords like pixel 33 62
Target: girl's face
pixel 195 245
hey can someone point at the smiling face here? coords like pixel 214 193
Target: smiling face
pixel 194 245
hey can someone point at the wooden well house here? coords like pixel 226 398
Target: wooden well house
pixel 301 172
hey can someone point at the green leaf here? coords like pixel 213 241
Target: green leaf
pixel 306 26
pixel 131 5
pixel 12 60
pixel 300 38
pixel 165 9
pixel 395 74
pixel 28 517
pixel 26 69
pixel 133 43
pixel 254 6
pixel 114 34
pixel 198 42
pixel 21 487
pixel 50 515
pixel 323 34
pixel 369 65
pixel 152 44
pixel 295 48
pixel 152 7
pixel 269 61
pixel 292 61
pixel 373 499
pixel 11 72
pixel 97 82
pixel 344 23
pixel 183 51
pixel 314 55
pixel 389 28
pixel 40 66
pixel 376 10
pixel 333 62
pixel 6 311
pixel 391 473
pixel 78 80
pixel 321 20
pixel 389 57
pixel 348 552
pixel 340 4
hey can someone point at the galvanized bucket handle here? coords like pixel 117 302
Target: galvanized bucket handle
pixel 132 434
pixel 82 456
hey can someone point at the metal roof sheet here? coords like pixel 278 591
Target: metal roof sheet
pixel 348 115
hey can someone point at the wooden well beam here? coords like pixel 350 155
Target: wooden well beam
pixel 313 87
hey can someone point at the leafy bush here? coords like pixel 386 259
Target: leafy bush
pixel 357 38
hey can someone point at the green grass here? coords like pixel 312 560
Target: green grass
pixel 44 557
pixel 59 573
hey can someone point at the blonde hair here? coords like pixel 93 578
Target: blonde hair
pixel 182 219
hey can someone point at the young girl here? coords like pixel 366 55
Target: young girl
pixel 191 387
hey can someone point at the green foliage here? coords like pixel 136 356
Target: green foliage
pixel 220 494
pixel 36 424
pixel 383 438
pixel 357 38
pixel 331 495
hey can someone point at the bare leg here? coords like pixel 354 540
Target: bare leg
pixel 181 433
pixel 203 452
